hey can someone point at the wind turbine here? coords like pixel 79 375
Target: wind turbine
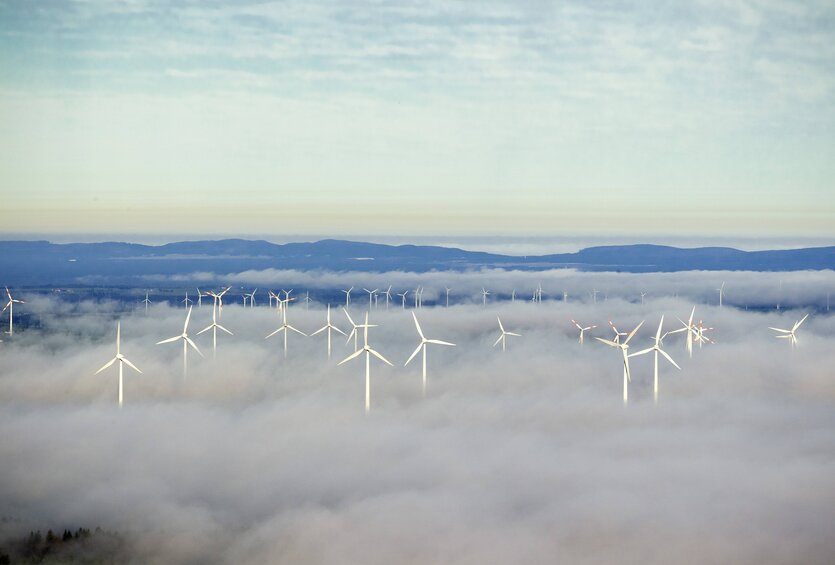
pixel 387 294
pixel 403 296
pixel 218 299
pixel 186 342
pixel 656 348
pixel 329 327
pixel 348 296
pixel 790 334
pixel 642 297
pixel 122 361
pixel 307 300
pixel 353 329
pixel 272 296
pixel 422 347
pixel 690 329
pixel 721 291
pixel 617 333
pixel 10 305
pixel 418 291
pixel 145 302
pixel 582 330
pixel 214 326
pixel 503 337
pixel 594 295
pixel 199 298
pixel 285 327
pixel 251 297
pixel 447 296
pixel 513 296
pixel 368 353
pixel 624 349
pixel 484 293
pixel 700 334
pixel 187 300
pixel 371 294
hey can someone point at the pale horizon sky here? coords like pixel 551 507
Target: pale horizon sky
pixel 418 117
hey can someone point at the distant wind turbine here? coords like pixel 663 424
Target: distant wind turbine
pixel 656 348
pixel 690 329
pixel 368 353
pixel 353 329
pixel 484 293
pixel 503 336
pixel 617 333
pixel 721 291
pixel 122 361
pixel 146 302
pixel 403 296
pixel 348 296
pixel 186 342
pixel 387 294
pixel 329 327
pixel 214 326
pixel 187 300
pixel 371 294
pixel 422 347
pixel 582 329
pixel 10 306
pixel 790 334
pixel 285 327
pixel 447 296
pixel 624 349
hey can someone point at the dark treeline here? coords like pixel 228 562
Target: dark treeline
pixel 79 546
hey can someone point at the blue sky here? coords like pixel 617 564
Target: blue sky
pixel 708 118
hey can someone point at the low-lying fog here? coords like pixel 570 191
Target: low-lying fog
pixel 527 456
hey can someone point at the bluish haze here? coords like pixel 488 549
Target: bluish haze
pixel 428 117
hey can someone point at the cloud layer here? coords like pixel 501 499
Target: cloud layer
pixel 527 456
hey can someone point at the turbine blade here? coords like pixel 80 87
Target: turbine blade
pixel 803 319
pixel 353 355
pixel 417 325
pixel 131 365
pixel 439 342
pixel 380 357
pixel 334 328
pixel 412 356
pixel 320 330
pixel 633 332
pixel 275 332
pixel 207 328
pixel 169 340
pixel 106 365
pixel 511 333
pixel 296 330
pixel 498 340
pixel 194 345
pixel 607 342
pixel 642 352
pixel 224 329
pixel 670 359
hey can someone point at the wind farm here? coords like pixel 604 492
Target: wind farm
pixel 486 283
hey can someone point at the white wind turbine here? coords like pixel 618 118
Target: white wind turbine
pixel 214 326
pixel 624 348
pixel 218 299
pixel 329 327
pixel 513 296
pixel 10 305
pixel 617 333
pixel 272 296
pixel 146 302
pixel 199 298
pixel 251 297
pixel 122 361
pixel 186 342
pixel 656 348
pixel 353 329
pixel 187 300
pixel 700 334
pixel 371 294
pixel 418 292
pixel 582 330
pixel 403 296
pixel 690 329
pixel 387 294
pixel 285 327
pixel 643 294
pixel 307 300
pixel 447 296
pixel 348 296
pixel 422 347
pixel 484 293
pixel 503 336
pixel 368 353
pixel 721 291
pixel 790 334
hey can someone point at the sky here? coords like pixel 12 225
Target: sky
pixel 709 118
pixel 510 457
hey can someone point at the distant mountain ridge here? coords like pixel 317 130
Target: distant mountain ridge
pixel 34 263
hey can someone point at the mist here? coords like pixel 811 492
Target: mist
pixel 525 456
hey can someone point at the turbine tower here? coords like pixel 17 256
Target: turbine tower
pixel 122 361
pixel 721 291
pixel 186 342
pixel 403 296
pixel 387 294
pixel 447 296
pixel 10 305
pixel 329 327
pixel 582 330
pixel 656 348
pixel 422 347
pixel 624 349
pixel 484 293
pixel 368 353
pixel 503 336
pixel 214 326
pixel 790 334
pixel 348 296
